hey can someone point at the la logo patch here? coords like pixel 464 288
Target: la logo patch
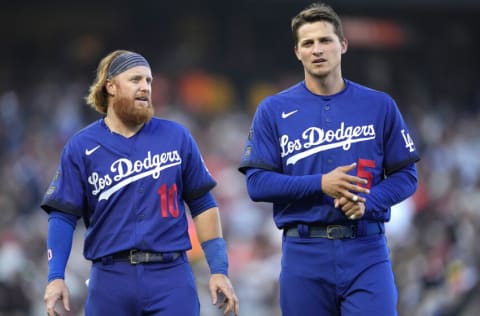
pixel 408 141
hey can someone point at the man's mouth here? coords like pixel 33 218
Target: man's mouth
pixel 319 60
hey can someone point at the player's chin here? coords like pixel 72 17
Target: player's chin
pixel 319 73
pixel 143 114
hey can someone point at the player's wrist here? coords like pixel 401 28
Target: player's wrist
pixel 53 277
pixel 216 254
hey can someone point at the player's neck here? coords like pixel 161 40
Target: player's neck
pixel 328 85
pixel 117 126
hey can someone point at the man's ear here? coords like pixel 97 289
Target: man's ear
pixel 344 46
pixel 110 87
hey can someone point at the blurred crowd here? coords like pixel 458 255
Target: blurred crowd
pixel 432 235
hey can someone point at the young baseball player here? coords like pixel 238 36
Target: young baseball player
pixel 332 156
pixel 127 176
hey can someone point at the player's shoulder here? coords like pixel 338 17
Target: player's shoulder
pixel 84 137
pixel 157 123
pixel 92 130
pixel 358 88
pixel 163 127
pixel 299 87
pixel 376 101
pixel 295 90
pixel 292 92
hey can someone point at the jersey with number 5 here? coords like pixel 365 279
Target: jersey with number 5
pixel 296 132
pixel 130 191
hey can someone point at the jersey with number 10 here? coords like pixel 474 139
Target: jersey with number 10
pixel 296 132
pixel 130 191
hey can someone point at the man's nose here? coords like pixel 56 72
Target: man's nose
pixel 317 48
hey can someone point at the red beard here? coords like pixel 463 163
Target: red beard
pixel 131 114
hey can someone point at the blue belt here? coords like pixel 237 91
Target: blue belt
pixel 333 231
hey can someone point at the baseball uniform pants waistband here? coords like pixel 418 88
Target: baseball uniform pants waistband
pixel 333 231
pixel 135 256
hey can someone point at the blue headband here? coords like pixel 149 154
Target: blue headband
pixel 124 62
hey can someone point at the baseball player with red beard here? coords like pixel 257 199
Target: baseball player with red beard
pixel 332 156
pixel 128 176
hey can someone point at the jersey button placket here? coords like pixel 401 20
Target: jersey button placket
pixel 326 109
pixel 328 121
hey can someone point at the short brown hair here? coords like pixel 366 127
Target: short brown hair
pixel 97 97
pixel 317 12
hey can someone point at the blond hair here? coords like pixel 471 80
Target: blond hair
pixel 97 97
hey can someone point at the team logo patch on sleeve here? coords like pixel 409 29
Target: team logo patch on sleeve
pixel 248 151
pixel 250 134
pixel 51 190
pixel 408 141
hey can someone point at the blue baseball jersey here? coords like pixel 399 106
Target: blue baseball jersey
pixel 130 191
pixel 296 132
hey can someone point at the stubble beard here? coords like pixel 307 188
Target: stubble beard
pixel 130 113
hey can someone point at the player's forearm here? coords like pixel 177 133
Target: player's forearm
pixel 208 225
pixel 209 232
pixel 270 186
pixel 394 189
pixel 59 243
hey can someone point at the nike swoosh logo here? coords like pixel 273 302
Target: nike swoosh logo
pixel 285 115
pixel 88 152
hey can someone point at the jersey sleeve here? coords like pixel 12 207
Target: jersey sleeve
pixel 196 176
pixel 261 148
pixel 66 192
pixel 400 150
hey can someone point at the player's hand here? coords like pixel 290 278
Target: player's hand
pixel 223 294
pixel 338 183
pixel 352 210
pixel 56 290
